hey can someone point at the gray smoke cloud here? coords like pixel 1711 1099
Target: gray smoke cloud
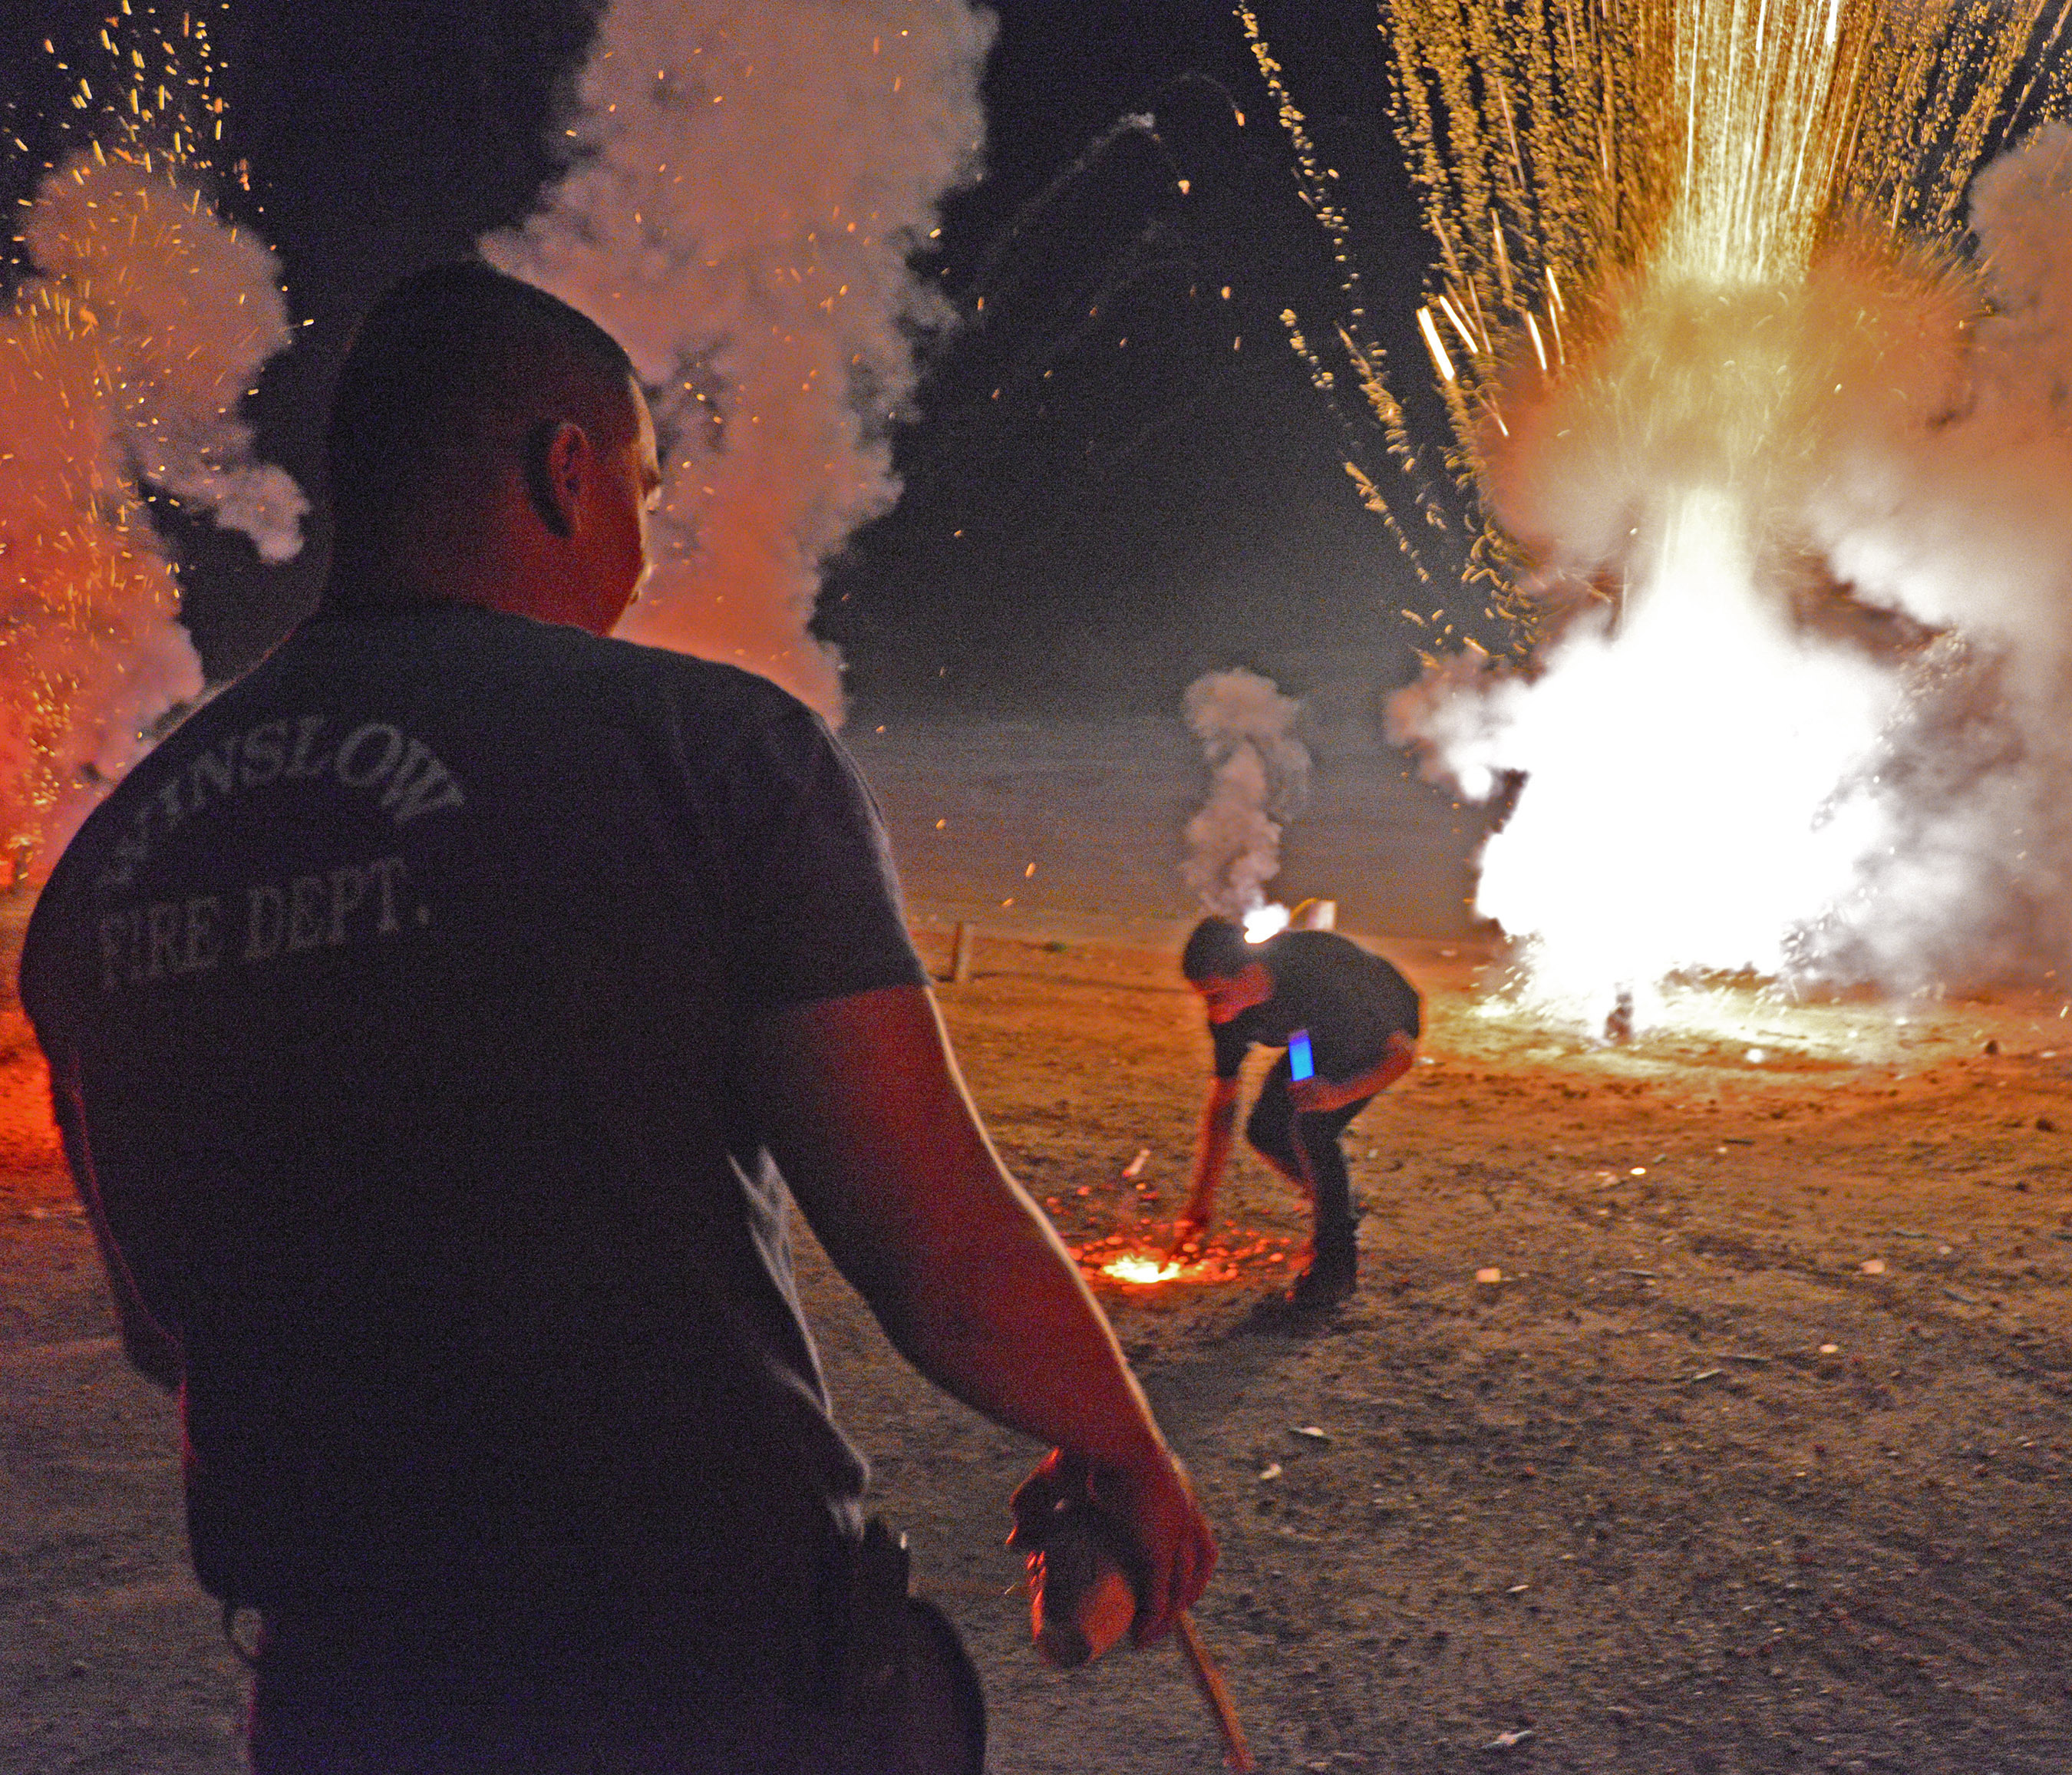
pixel 1964 523
pixel 124 358
pixel 1258 778
pixel 747 187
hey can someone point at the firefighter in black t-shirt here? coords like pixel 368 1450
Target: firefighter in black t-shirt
pixel 442 1023
pixel 1350 1022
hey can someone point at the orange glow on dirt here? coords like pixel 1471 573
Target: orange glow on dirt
pixel 1139 1268
pixel 1140 1261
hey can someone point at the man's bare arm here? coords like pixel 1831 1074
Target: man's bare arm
pixel 862 1106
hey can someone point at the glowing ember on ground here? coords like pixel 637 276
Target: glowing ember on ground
pixel 1141 1269
pixel 1132 1261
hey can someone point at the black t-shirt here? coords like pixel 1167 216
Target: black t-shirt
pixel 1349 1001
pixel 394 1003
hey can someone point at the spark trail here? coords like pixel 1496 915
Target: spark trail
pixel 125 354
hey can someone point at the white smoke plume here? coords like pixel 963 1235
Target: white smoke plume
pixel 1964 522
pixel 123 359
pixel 1802 712
pixel 1258 778
pixel 183 310
pixel 746 187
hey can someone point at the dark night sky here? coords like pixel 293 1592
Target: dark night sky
pixel 1147 510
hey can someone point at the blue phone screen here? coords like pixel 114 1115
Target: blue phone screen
pixel 1299 1065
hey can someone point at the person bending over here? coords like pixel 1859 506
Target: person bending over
pixel 435 1020
pixel 1350 1023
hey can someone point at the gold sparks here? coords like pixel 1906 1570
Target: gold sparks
pixel 84 584
pixel 1567 151
pixel 1566 147
pixel 1722 139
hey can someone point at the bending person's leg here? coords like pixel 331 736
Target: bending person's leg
pixel 1270 1131
pixel 1335 1268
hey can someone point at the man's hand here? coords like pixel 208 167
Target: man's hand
pixel 1152 1506
pixel 862 1106
pixel 1188 1231
pixel 1211 1154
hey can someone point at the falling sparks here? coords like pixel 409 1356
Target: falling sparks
pixel 123 360
pixel 1558 147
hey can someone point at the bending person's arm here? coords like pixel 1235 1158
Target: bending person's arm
pixel 1212 1145
pixel 1309 1095
pixel 862 1106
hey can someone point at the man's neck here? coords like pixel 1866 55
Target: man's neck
pixel 430 562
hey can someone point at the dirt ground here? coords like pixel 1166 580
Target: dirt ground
pixel 1753 1459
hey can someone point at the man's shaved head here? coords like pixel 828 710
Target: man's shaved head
pixel 1216 949
pixel 452 372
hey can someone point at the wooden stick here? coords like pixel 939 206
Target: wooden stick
pixel 1216 1693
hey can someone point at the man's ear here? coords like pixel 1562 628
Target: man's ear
pixel 553 472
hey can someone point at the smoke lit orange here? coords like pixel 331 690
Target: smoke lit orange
pixel 123 358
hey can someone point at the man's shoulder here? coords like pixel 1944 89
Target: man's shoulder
pixel 701 684
pixel 557 650
pixel 724 717
pixel 1316 948
pixel 498 670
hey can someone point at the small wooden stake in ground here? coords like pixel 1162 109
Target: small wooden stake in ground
pixel 1209 1681
pixel 960 953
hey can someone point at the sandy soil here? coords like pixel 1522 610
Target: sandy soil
pixel 1754 1459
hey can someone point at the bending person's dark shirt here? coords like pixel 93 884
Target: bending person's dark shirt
pixel 1349 1000
pixel 393 1004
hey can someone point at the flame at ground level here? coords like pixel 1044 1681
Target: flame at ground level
pixel 1142 1269
pixel 1135 1260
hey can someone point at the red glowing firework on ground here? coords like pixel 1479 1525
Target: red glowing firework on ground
pixel 1141 1257
pixel 1136 1261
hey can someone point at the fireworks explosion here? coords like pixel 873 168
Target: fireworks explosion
pixel 1725 389
pixel 123 358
